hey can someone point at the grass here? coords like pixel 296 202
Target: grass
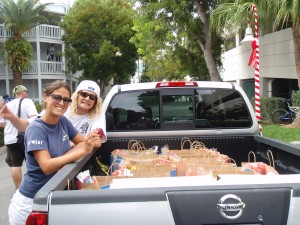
pixel 285 133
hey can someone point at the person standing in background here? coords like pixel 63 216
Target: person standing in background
pixel 52 52
pixel 16 151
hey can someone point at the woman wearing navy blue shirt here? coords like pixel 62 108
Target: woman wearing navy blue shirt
pixel 47 145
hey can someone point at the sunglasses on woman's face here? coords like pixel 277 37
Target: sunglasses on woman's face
pixel 59 98
pixel 85 95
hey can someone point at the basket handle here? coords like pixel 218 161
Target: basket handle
pixel 184 140
pixel 249 156
pixel 271 158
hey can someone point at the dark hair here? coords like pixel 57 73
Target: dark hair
pixel 51 87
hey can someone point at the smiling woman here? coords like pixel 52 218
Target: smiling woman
pixel 48 148
pixel 85 110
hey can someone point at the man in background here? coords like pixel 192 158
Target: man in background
pixel 16 151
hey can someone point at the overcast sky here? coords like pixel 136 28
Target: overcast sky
pixel 58 1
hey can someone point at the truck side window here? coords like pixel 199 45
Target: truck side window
pixel 218 108
pixel 137 110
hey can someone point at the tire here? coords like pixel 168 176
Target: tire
pixel 281 116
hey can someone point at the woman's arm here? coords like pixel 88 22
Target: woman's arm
pixel 82 147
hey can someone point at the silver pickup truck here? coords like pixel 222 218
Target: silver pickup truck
pixel 218 114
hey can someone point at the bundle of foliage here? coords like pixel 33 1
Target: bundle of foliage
pixel 174 40
pixel 20 16
pixel 97 35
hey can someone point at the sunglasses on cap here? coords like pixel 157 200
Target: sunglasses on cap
pixel 59 98
pixel 85 95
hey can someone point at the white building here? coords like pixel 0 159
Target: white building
pixel 139 71
pixel 277 65
pixel 44 69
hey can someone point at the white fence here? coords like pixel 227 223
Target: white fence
pixel 46 68
pixel 43 30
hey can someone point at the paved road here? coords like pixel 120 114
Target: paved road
pixel 7 188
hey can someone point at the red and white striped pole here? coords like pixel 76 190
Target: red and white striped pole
pixel 254 59
pixel 256 71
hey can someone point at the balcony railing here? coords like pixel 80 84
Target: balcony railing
pixel 43 30
pixel 46 68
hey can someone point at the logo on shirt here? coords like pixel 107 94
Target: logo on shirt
pixel 36 142
pixel 83 129
pixel 65 136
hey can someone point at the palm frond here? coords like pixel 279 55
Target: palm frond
pixel 21 15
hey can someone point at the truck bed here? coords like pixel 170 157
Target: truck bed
pixel 286 156
pixel 265 201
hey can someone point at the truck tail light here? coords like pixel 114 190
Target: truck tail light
pixel 177 84
pixel 37 218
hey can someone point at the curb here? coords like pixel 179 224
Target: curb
pixel 2 150
pixel 296 143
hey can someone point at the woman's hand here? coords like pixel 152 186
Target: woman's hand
pixel 97 140
pixel 92 140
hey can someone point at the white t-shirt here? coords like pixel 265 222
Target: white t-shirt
pixel 83 124
pixel 27 110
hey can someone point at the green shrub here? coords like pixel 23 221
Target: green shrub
pixel 268 105
pixel 296 98
pixel 39 107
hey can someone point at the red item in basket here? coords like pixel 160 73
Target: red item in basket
pixel 258 167
pixel 100 132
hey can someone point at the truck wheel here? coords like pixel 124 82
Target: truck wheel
pixel 281 116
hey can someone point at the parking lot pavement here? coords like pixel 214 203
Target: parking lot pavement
pixel 7 187
pixel 2 150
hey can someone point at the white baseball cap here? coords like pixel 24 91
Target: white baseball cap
pixel 89 85
pixel 18 89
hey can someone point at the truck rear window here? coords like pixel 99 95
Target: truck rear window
pixel 172 109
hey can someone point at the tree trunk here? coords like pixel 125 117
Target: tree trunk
pixel 17 78
pixel 211 65
pixel 206 44
pixel 102 89
pixel 296 122
pixel 296 37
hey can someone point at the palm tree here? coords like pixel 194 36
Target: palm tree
pixel 273 14
pixel 20 16
pixel 288 11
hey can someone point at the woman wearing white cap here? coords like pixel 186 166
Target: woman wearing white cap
pixel 85 110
